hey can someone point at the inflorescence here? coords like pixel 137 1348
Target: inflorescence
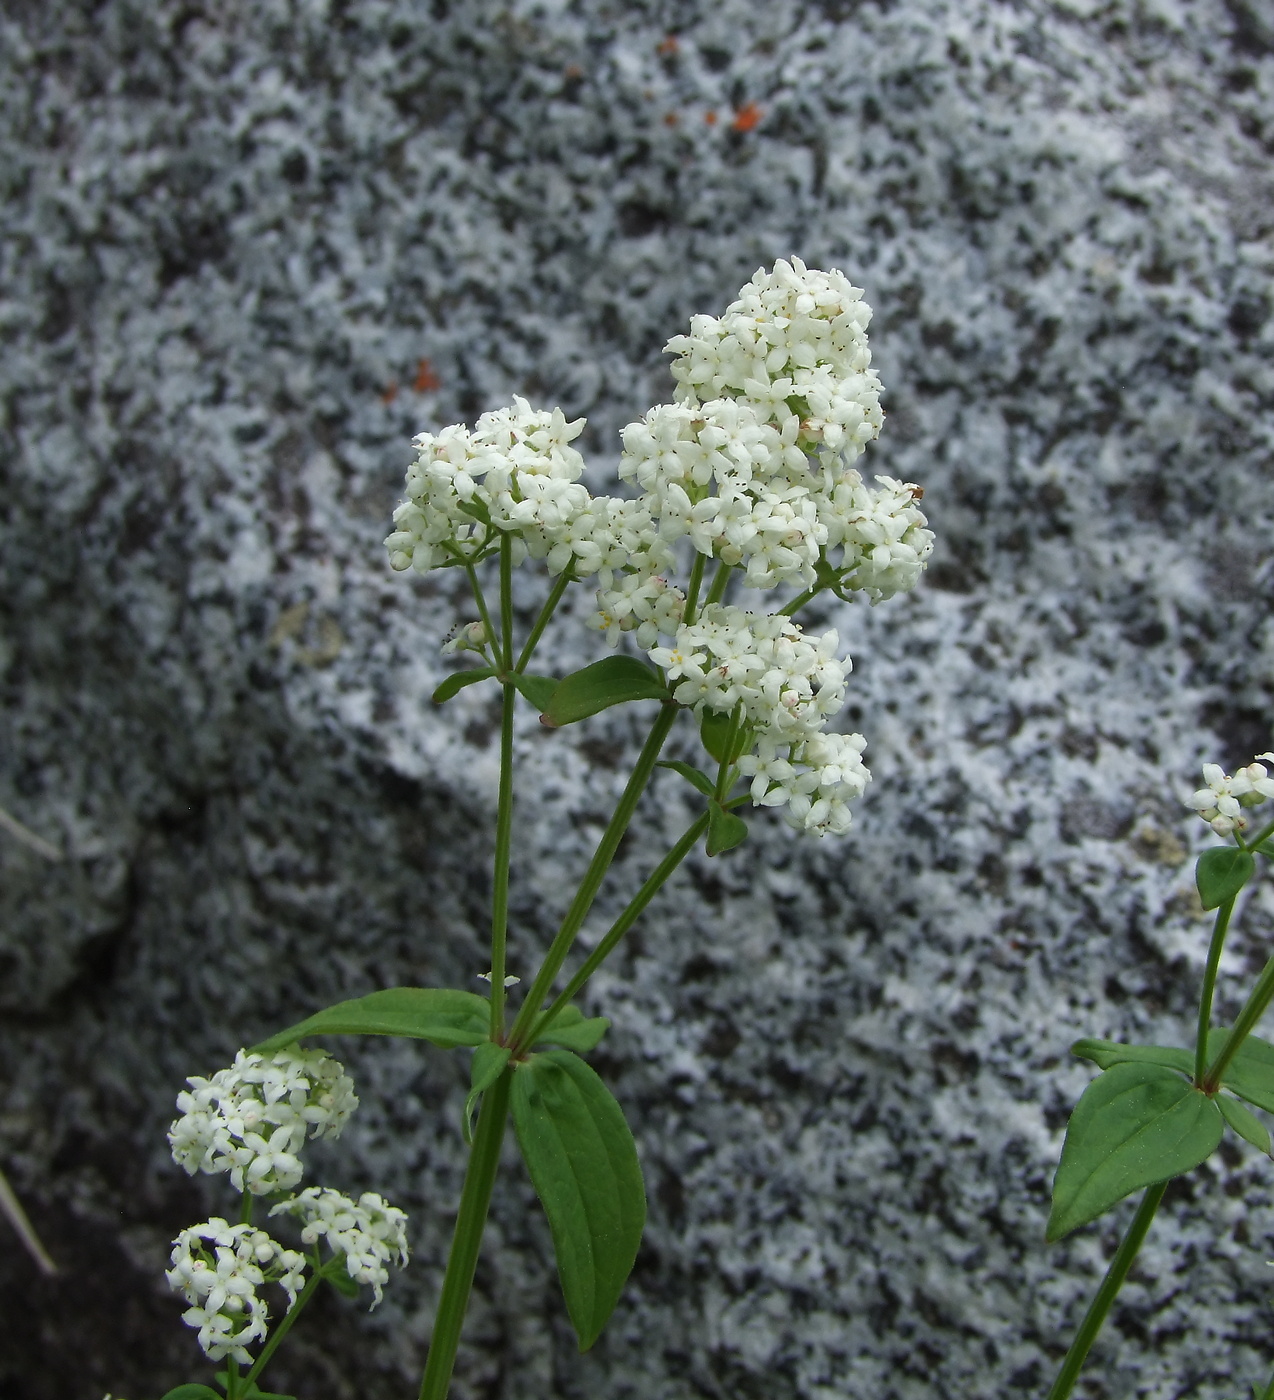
pixel 752 467
pixel 251 1121
pixel 1222 801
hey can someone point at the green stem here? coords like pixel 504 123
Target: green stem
pixel 1252 845
pixel 504 816
pixel 800 600
pixel 564 579
pixel 475 1201
pixel 1242 1028
pixel 1209 986
pixel 1111 1284
pixel 1268 1392
pixel 620 927
pixel 281 1331
pixel 245 1210
pixel 717 591
pixel 232 1379
pixel 725 772
pixel 593 877
pixel 692 588
pixel 493 637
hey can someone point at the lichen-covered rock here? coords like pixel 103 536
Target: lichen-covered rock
pixel 245 253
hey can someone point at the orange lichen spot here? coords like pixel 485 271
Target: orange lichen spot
pixel 426 380
pixel 747 118
pixel 389 393
pixel 668 45
pixel 710 117
pixel 573 73
pixel 671 119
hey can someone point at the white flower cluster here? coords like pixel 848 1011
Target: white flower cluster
pixel 752 465
pixel 1222 801
pixel 785 686
pixel 515 472
pixel 251 1120
pixel 815 780
pixel 369 1232
pixel 218 1268
pixel 471 637
pixel 794 346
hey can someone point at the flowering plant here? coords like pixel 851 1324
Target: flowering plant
pixel 750 471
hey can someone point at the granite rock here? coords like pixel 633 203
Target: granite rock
pixel 247 251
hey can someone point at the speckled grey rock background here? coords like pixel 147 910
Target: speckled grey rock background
pixel 225 232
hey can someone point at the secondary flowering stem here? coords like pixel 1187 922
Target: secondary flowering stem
pixel 493 637
pixel 550 607
pixel 593 877
pixel 693 586
pixel 504 816
pixel 717 591
pixel 1209 985
pixel 801 599
pixel 475 1201
pixel 620 927
pixel 281 1331
pixel 1106 1294
pixel 1252 1012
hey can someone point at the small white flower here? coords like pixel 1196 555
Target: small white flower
pixel 251 1120
pixel 471 637
pixel 217 1267
pixel 509 981
pixel 1222 801
pixel 369 1232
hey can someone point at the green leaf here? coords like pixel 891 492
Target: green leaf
pixel 447 1018
pixel 725 830
pixel 1250 1074
pixel 489 1060
pixel 612 681
pixel 455 683
pixel 537 689
pixel 583 1163
pixel 336 1272
pixel 574 1030
pixel 693 776
pixel 1135 1125
pixel 1246 1124
pixel 475 510
pixel 1105 1053
pixel 253 1393
pixel 1221 873
pixel 193 1392
pixel 714 730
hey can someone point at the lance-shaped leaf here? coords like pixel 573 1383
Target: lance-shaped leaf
pixel 1250 1074
pixel 438 1014
pixel 725 830
pixel 1105 1053
pixel 694 776
pixel 714 730
pixel 193 1392
pixel 1244 1122
pixel 537 689
pixel 454 684
pixel 489 1060
pixel 574 1030
pixel 612 681
pixel 337 1274
pixel 1135 1125
pixel 583 1162
pixel 1221 873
